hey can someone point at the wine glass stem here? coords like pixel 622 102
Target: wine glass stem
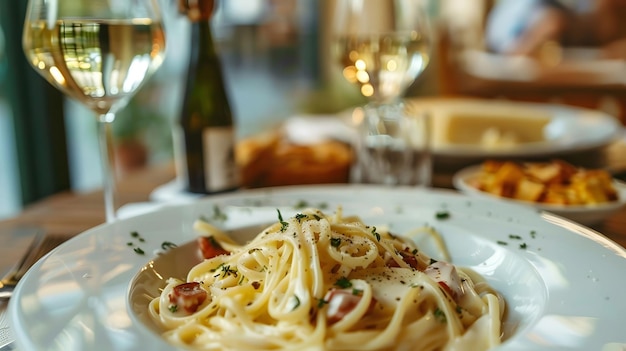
pixel 107 158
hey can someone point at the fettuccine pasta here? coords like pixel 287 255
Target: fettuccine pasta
pixel 326 282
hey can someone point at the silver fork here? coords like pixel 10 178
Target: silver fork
pixel 39 247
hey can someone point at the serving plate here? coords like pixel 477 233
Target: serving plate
pixel 584 214
pixel 568 129
pixel 558 277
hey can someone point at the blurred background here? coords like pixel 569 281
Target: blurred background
pixel 275 54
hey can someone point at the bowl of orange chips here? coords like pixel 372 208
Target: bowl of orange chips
pixel 586 196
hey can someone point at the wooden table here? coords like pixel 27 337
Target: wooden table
pixel 71 213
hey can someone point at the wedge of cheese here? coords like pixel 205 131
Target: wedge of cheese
pixel 492 131
pixel 480 122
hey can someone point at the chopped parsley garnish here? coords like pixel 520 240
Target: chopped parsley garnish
pixel 297 302
pixel 335 242
pixel 432 260
pixel 218 215
pixel 442 215
pixel 357 292
pixel 172 308
pixel 321 303
pixel 304 204
pixel 300 216
pixel 135 235
pixel 217 268
pixel 283 224
pixel 166 245
pixel 440 316
pixel 301 204
pixel 516 237
pixel 343 283
pixel 226 270
pixel 523 246
pixel 533 234
pixel 214 242
pixel 375 233
pixel 500 242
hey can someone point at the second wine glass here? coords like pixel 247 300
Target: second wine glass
pixel 98 53
pixel 382 47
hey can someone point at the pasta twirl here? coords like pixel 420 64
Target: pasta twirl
pixel 327 282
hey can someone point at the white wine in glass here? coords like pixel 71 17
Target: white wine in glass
pixel 382 46
pixel 98 53
pixel 383 65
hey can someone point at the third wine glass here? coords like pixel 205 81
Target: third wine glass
pixel 382 47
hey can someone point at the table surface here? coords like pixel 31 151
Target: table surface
pixel 71 213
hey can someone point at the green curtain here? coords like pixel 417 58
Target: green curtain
pixel 37 110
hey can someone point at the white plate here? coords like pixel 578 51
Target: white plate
pixel 562 290
pixel 569 130
pixel 584 214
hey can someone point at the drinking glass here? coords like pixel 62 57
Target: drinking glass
pixel 382 47
pixel 98 52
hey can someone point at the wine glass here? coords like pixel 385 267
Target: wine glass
pixel 382 47
pixel 98 52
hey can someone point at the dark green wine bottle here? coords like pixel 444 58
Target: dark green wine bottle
pixel 206 122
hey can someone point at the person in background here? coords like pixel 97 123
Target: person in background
pixel 522 27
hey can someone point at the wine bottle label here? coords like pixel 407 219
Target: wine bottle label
pixel 178 148
pixel 220 167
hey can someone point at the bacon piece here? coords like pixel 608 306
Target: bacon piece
pixel 410 259
pixel 188 296
pixel 210 248
pixel 446 276
pixel 407 257
pixel 446 288
pixel 341 302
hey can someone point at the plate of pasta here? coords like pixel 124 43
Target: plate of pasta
pixel 334 267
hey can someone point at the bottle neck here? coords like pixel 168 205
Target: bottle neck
pixel 202 45
pixel 197 10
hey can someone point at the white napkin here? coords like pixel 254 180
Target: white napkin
pixel 312 129
pixel 6 336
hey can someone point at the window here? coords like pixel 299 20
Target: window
pixel 10 202
pixel 37 157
